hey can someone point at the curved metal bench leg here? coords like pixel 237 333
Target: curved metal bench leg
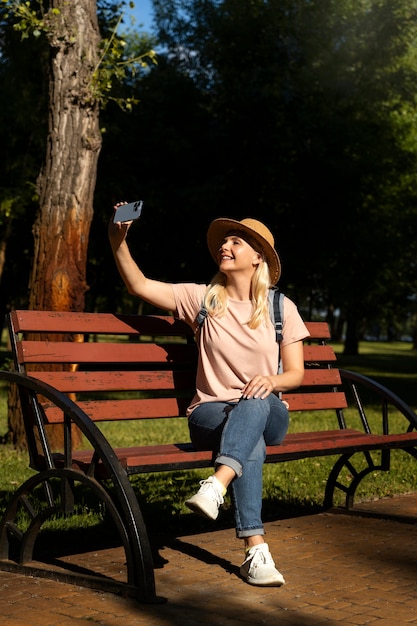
pixel 27 512
pixel 348 484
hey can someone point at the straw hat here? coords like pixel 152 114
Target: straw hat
pixel 255 231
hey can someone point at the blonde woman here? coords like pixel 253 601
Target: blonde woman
pixel 236 410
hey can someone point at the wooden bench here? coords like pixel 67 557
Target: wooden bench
pixel 128 367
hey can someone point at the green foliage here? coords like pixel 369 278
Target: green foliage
pixel 31 18
pixel 115 66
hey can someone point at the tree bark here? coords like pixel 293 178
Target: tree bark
pixel 67 180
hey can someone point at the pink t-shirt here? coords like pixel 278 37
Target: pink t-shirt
pixel 231 353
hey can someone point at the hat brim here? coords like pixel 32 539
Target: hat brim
pixel 218 230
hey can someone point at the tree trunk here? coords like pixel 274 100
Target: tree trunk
pixel 352 336
pixel 67 180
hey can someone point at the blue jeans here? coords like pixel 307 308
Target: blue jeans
pixel 238 434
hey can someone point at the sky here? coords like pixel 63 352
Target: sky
pixel 142 14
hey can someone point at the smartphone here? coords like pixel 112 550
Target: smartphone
pixel 128 212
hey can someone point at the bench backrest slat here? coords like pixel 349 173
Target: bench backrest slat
pixel 158 408
pixel 101 381
pixel 116 410
pixel 80 352
pixel 145 380
pixel 110 323
pixel 96 323
pixel 316 401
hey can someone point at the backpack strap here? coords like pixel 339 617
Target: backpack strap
pixel 276 311
pixel 201 317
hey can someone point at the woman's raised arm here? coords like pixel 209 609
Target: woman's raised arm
pixel 158 293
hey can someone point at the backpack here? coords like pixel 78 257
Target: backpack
pixel 276 312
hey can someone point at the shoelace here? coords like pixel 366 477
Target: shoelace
pixel 209 489
pixel 263 557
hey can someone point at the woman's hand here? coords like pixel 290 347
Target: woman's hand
pixel 258 387
pixel 117 231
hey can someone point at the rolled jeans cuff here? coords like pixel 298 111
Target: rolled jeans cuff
pixel 221 459
pixel 249 532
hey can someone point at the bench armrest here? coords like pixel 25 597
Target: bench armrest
pixel 356 383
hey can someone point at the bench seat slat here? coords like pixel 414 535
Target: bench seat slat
pixel 295 446
pixel 337 442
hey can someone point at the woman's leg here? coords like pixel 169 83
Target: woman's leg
pixel 240 432
pixel 251 426
pixel 249 422
pixel 258 567
pixel 206 424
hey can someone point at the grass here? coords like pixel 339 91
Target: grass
pixel 291 487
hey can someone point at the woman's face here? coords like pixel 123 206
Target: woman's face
pixel 236 254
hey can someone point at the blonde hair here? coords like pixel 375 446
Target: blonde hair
pixel 215 299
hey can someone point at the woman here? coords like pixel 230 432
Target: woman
pixel 236 410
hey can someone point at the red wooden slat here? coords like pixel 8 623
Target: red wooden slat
pixel 318 330
pixel 73 352
pixel 102 381
pixel 319 353
pixel 317 436
pixel 109 323
pixel 336 442
pixel 130 409
pixel 152 408
pixel 79 381
pixel 315 401
pixel 101 323
pixel 79 352
pixel 316 377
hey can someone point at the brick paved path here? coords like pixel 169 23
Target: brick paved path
pixel 339 569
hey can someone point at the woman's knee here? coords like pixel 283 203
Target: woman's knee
pixel 206 424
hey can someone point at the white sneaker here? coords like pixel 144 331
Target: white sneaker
pixel 259 568
pixel 207 500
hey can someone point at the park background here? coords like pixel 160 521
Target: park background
pixel 300 114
